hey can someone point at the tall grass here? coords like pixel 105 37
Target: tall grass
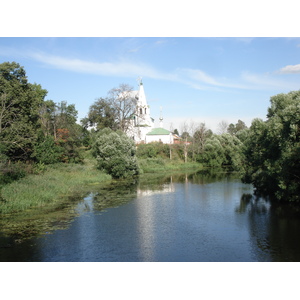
pixel 51 187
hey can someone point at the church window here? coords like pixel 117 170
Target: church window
pixel 145 111
pixel 141 111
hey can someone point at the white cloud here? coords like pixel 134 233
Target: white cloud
pixel 119 68
pixel 267 81
pixel 194 78
pixel 290 69
pixel 199 75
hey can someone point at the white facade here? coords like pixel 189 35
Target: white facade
pixel 141 122
pixel 159 135
pixel 141 128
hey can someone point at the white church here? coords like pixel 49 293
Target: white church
pixel 141 128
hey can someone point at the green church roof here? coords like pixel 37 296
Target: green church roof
pixel 159 131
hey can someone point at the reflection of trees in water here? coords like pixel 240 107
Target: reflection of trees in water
pixel 210 175
pixel 114 194
pixel 274 227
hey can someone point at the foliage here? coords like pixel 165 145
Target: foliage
pixel 47 151
pixel 115 153
pixel 50 188
pixel 222 150
pixel 153 150
pixel 34 132
pixel 101 115
pixel 235 128
pixel 11 172
pixel 272 149
pixel 19 104
pixel 112 112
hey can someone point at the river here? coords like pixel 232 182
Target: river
pixel 198 217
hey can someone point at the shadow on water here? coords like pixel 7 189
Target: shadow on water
pixel 274 228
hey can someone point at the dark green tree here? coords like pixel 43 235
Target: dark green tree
pixel 273 148
pixel 101 115
pixel 19 111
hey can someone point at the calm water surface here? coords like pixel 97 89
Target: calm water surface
pixel 194 218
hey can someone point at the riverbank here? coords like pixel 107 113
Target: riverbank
pixel 62 180
pixel 49 188
pixel 153 165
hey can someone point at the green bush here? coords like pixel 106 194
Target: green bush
pixel 11 172
pixel 47 152
pixel 115 153
pixel 153 150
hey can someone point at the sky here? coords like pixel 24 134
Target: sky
pixel 191 79
pixel 209 63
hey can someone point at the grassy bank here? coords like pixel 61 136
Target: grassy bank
pixel 153 165
pixel 49 188
pixel 57 182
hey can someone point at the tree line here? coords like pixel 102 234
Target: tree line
pixel 35 132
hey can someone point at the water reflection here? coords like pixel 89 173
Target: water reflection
pixel 274 228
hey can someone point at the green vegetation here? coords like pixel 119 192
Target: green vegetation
pixel 115 153
pixel 49 188
pixel 159 157
pixel 272 150
pixel 42 148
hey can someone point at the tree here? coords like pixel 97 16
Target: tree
pixel 123 103
pixel 115 153
pixel 234 129
pixel 222 150
pixel 19 105
pixel 113 112
pixel 101 115
pixel 176 131
pixel 222 127
pixel 200 136
pixel 273 147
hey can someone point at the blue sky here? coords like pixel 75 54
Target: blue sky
pixel 199 79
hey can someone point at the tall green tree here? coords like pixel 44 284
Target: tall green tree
pixel 114 111
pixel 61 136
pixel 273 148
pixel 101 115
pixel 234 129
pixel 19 111
pixel 222 150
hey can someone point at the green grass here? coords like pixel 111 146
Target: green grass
pixel 50 188
pixel 155 165
pixel 58 182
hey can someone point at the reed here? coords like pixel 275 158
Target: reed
pixel 51 187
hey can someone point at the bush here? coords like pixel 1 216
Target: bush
pixel 11 172
pixel 153 150
pixel 47 152
pixel 115 153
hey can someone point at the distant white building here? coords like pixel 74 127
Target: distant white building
pixel 141 128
